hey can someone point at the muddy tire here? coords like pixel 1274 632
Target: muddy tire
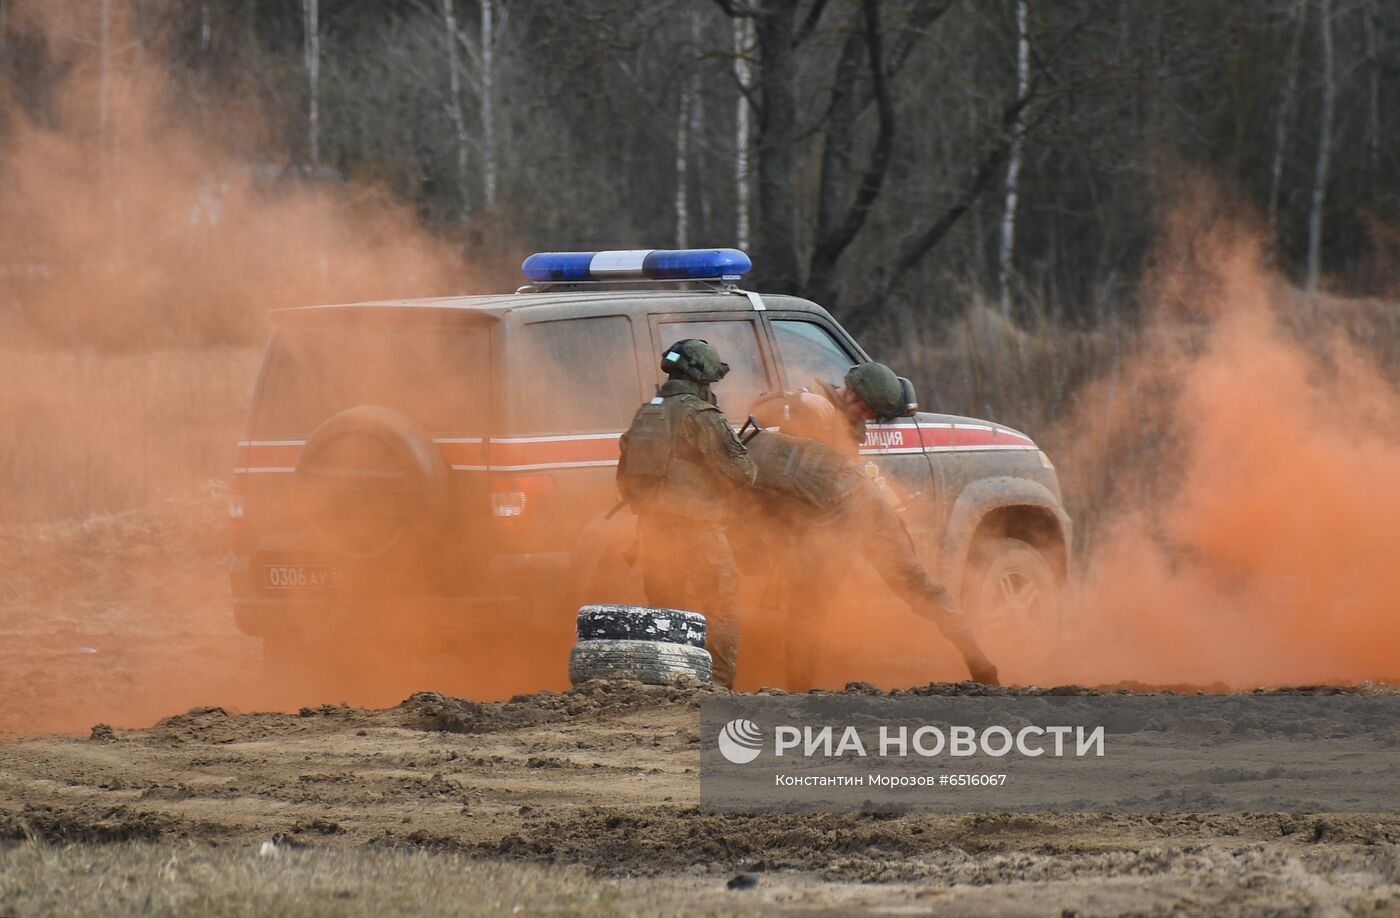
pixel 612 622
pixel 1011 596
pixel 650 662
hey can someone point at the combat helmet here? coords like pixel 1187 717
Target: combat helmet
pixel 694 359
pixel 888 395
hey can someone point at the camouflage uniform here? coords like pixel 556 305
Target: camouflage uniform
pixel 834 506
pixel 681 491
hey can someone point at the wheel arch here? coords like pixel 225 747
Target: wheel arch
pixel 1006 507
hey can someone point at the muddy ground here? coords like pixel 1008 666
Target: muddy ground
pixel 584 801
pixel 603 779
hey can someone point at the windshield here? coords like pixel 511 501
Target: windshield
pixel 437 377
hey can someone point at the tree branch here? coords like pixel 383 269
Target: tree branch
pixel 809 23
pixel 916 247
pixel 735 10
pixel 833 240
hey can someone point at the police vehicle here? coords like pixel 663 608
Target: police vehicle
pixel 434 478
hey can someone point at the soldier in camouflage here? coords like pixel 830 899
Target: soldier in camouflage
pixel 831 503
pixel 680 469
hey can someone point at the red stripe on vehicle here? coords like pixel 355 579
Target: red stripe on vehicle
pixel 563 451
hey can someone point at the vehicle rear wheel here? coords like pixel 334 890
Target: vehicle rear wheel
pixel 1013 601
pixel 650 662
pixel 612 621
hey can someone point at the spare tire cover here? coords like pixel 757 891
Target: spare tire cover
pixel 371 480
pixel 606 621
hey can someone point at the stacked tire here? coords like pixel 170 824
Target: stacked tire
pixel 653 646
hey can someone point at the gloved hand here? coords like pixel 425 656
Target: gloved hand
pixel 982 670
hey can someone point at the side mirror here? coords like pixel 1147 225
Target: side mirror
pixel 911 401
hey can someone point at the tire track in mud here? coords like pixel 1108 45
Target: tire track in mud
pixel 602 776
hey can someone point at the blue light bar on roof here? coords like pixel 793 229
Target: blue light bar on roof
pixel 637 264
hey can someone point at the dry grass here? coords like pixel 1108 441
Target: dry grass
pixel 132 878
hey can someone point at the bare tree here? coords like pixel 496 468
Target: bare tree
pixel 697 123
pixel 1373 69
pixel 1324 148
pixel 105 73
pixel 1013 166
pixel 488 120
pixel 743 180
pixel 459 123
pixel 312 52
pixel 1285 113
pixel 682 163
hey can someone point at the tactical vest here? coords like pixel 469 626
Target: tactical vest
pixel 797 467
pixel 651 441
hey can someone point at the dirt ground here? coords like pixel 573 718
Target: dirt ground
pixel 584 802
pixel 597 788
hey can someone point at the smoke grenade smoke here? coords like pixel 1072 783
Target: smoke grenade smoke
pixel 1237 475
pixel 145 231
pixel 1248 539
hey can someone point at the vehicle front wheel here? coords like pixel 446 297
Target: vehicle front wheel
pixel 1014 604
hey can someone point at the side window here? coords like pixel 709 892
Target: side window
pixel 809 353
pixel 577 376
pixel 737 343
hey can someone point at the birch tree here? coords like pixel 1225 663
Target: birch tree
pixel 488 121
pixel 1324 147
pixel 459 123
pixel 104 79
pixel 1373 69
pixel 743 181
pixel 682 164
pixel 1285 113
pixel 1013 166
pixel 312 53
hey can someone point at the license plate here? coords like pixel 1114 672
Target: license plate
pixel 302 576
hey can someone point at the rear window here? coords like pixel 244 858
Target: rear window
pixel 577 376
pixel 437 377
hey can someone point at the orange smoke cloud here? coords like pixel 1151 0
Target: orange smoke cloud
pixel 144 234
pixel 129 220
pixel 1252 542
